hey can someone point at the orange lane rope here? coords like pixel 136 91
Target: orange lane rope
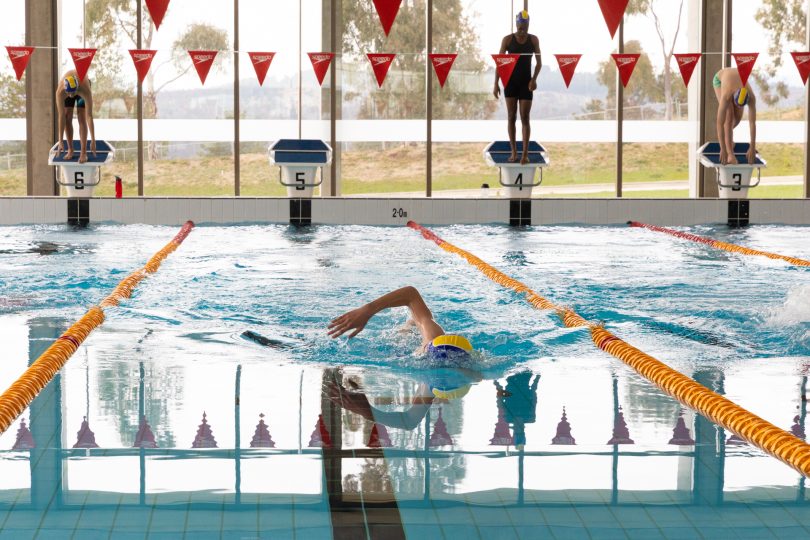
pixel 23 391
pixel 761 433
pixel 718 244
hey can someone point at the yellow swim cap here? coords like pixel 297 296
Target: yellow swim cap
pixel 522 17
pixel 453 393
pixel 741 97
pixel 71 84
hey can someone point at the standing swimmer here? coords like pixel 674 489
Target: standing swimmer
pixel 71 93
pixel 522 84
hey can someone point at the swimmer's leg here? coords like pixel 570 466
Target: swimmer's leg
pixel 525 119
pixel 69 132
pixel 82 117
pixel 511 119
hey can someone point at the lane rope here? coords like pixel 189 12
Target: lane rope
pixel 725 246
pixel 23 391
pixel 759 432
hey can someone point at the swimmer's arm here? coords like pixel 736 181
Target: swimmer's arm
pixel 752 125
pixel 88 111
pixel 537 57
pixel 502 51
pixel 406 296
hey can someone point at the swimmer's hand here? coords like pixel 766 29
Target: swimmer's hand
pixel 354 320
pixel 357 402
pixel 496 91
pixel 751 155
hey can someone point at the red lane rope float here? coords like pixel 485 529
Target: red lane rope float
pixel 23 391
pixel 718 244
pixel 753 429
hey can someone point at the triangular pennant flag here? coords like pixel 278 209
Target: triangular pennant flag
pixel 81 60
pixel 802 60
pixel 261 63
pixel 142 58
pixel 687 64
pixel 441 65
pixel 626 64
pixel 202 62
pixel 19 57
pixel 380 63
pixel 387 10
pixel 568 64
pixel 613 11
pixel 157 9
pixel 320 63
pixel 745 64
pixel 505 65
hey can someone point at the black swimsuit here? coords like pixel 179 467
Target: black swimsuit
pixel 518 86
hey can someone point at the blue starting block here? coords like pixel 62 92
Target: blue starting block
pixel 79 179
pixel 734 180
pixel 298 161
pixel 516 178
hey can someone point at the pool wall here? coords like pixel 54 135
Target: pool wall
pixel 385 211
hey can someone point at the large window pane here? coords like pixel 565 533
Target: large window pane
pixel 12 104
pixel 381 131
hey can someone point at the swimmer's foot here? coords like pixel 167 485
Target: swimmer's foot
pixel 83 157
pixel 69 155
pixel 513 158
pixel 524 159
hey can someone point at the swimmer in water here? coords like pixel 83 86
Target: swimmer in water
pixel 447 352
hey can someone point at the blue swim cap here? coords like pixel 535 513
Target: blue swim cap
pixel 741 97
pixel 449 347
pixel 71 84
pixel 522 17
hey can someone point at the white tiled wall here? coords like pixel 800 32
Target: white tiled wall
pixel 175 211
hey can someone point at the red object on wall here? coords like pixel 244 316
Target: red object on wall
pixel 568 64
pixel 613 11
pixel 441 65
pixel 261 63
pixel 157 9
pixel 387 10
pixel 119 192
pixel 687 64
pixel 19 57
pixel 626 63
pixel 142 58
pixel 802 60
pixel 505 65
pixel 380 63
pixel 202 62
pixel 745 64
pixel 81 60
pixel 320 63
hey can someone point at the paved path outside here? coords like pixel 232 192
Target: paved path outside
pixel 576 189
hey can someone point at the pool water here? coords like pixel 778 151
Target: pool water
pixel 360 448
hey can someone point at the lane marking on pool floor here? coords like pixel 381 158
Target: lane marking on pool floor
pixel 22 392
pixel 759 432
pixel 717 244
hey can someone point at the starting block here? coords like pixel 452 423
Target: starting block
pixel 80 179
pixel 734 180
pixel 516 178
pixel 298 161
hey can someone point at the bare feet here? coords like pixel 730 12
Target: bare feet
pixel 524 159
pixel 83 157
pixel 69 155
pixel 513 158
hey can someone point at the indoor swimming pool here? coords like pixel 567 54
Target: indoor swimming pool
pixel 169 423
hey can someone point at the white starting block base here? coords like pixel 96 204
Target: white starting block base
pixel 518 181
pixel 79 180
pixel 733 181
pixel 299 180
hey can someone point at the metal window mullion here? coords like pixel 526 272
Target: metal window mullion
pixel 237 187
pixel 140 103
pixel 619 116
pixel 429 100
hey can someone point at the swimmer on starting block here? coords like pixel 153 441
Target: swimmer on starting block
pixel 72 93
pixel 733 97
pixel 519 91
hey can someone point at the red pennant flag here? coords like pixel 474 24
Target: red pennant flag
pixel 157 9
pixel 626 64
pixel 613 11
pixel 505 65
pixel 81 60
pixel 320 63
pixel 745 64
pixel 387 10
pixel 142 58
pixel 202 62
pixel 441 65
pixel 19 57
pixel 380 63
pixel 261 63
pixel 687 64
pixel 568 64
pixel 802 60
